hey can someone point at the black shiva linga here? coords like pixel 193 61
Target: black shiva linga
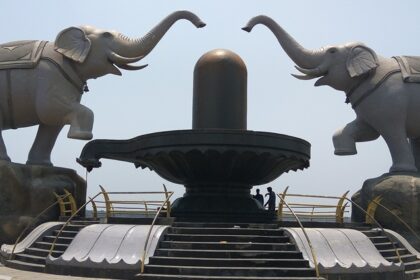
pixel 218 160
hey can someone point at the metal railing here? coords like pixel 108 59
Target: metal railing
pixel 143 259
pixel 372 207
pixel 34 221
pixel 65 201
pixel 69 220
pixel 282 198
pixel 339 213
pixel 124 207
pixel 113 208
pixel 313 211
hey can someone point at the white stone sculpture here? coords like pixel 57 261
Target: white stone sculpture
pixel 384 93
pixel 42 82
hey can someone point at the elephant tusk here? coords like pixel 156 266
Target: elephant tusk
pixel 304 77
pixel 131 67
pixel 315 72
pixel 118 59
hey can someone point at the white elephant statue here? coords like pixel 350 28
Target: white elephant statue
pixel 42 82
pixel 384 93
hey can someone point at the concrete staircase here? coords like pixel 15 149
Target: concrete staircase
pixel 226 251
pixel 387 250
pixel 34 257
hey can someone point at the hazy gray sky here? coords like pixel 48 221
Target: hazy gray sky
pixel 159 97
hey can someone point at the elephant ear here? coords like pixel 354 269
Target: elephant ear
pixel 73 43
pixel 361 60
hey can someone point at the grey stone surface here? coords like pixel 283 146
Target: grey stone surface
pixel 14 274
pixel 401 195
pixel 77 55
pixel 107 248
pixel 380 90
pixel 26 190
pixel 342 251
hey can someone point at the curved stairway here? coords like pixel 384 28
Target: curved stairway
pixel 226 251
pixel 387 249
pixel 34 257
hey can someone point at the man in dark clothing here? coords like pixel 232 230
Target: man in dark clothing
pixel 271 200
pixel 259 197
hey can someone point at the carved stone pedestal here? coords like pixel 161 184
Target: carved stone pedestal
pixel 26 190
pixel 400 193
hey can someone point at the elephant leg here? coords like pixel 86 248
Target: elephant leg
pixel 415 145
pixel 40 153
pixel 345 138
pixel 401 151
pixel 81 123
pixel 3 151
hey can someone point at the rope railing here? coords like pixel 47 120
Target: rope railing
pixel 314 210
pixel 305 233
pixel 29 225
pixel 150 231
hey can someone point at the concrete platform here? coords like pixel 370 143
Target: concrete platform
pixel 13 274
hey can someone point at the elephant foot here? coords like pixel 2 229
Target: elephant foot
pixel 345 152
pixel 81 135
pixel 403 168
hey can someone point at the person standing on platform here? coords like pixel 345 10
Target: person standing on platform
pixel 271 202
pixel 259 197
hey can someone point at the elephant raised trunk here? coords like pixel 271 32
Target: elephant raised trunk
pixel 305 59
pixel 140 47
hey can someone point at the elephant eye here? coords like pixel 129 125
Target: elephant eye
pixel 333 50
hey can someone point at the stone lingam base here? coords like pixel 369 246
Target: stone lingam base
pixel 26 190
pixel 400 194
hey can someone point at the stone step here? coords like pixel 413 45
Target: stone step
pixel 372 233
pixel 413 265
pixel 226 231
pixel 379 239
pixel 225 225
pixel 252 254
pixel 219 237
pixel 227 245
pixel 25 266
pixel 404 258
pixel 230 271
pixel 391 252
pixel 146 276
pixel 66 233
pixel 225 262
pixel 412 274
pixel 60 240
pixel 42 252
pixel 386 245
pixel 48 245
pixel 28 258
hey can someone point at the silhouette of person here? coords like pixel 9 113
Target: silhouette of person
pixel 259 197
pixel 271 202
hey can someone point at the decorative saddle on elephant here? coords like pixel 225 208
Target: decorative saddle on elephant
pixel 410 68
pixel 20 54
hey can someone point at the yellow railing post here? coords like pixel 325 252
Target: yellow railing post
pixel 339 212
pixel 168 203
pixel 94 208
pixel 280 208
pixel 72 201
pixel 108 204
pixel 371 209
